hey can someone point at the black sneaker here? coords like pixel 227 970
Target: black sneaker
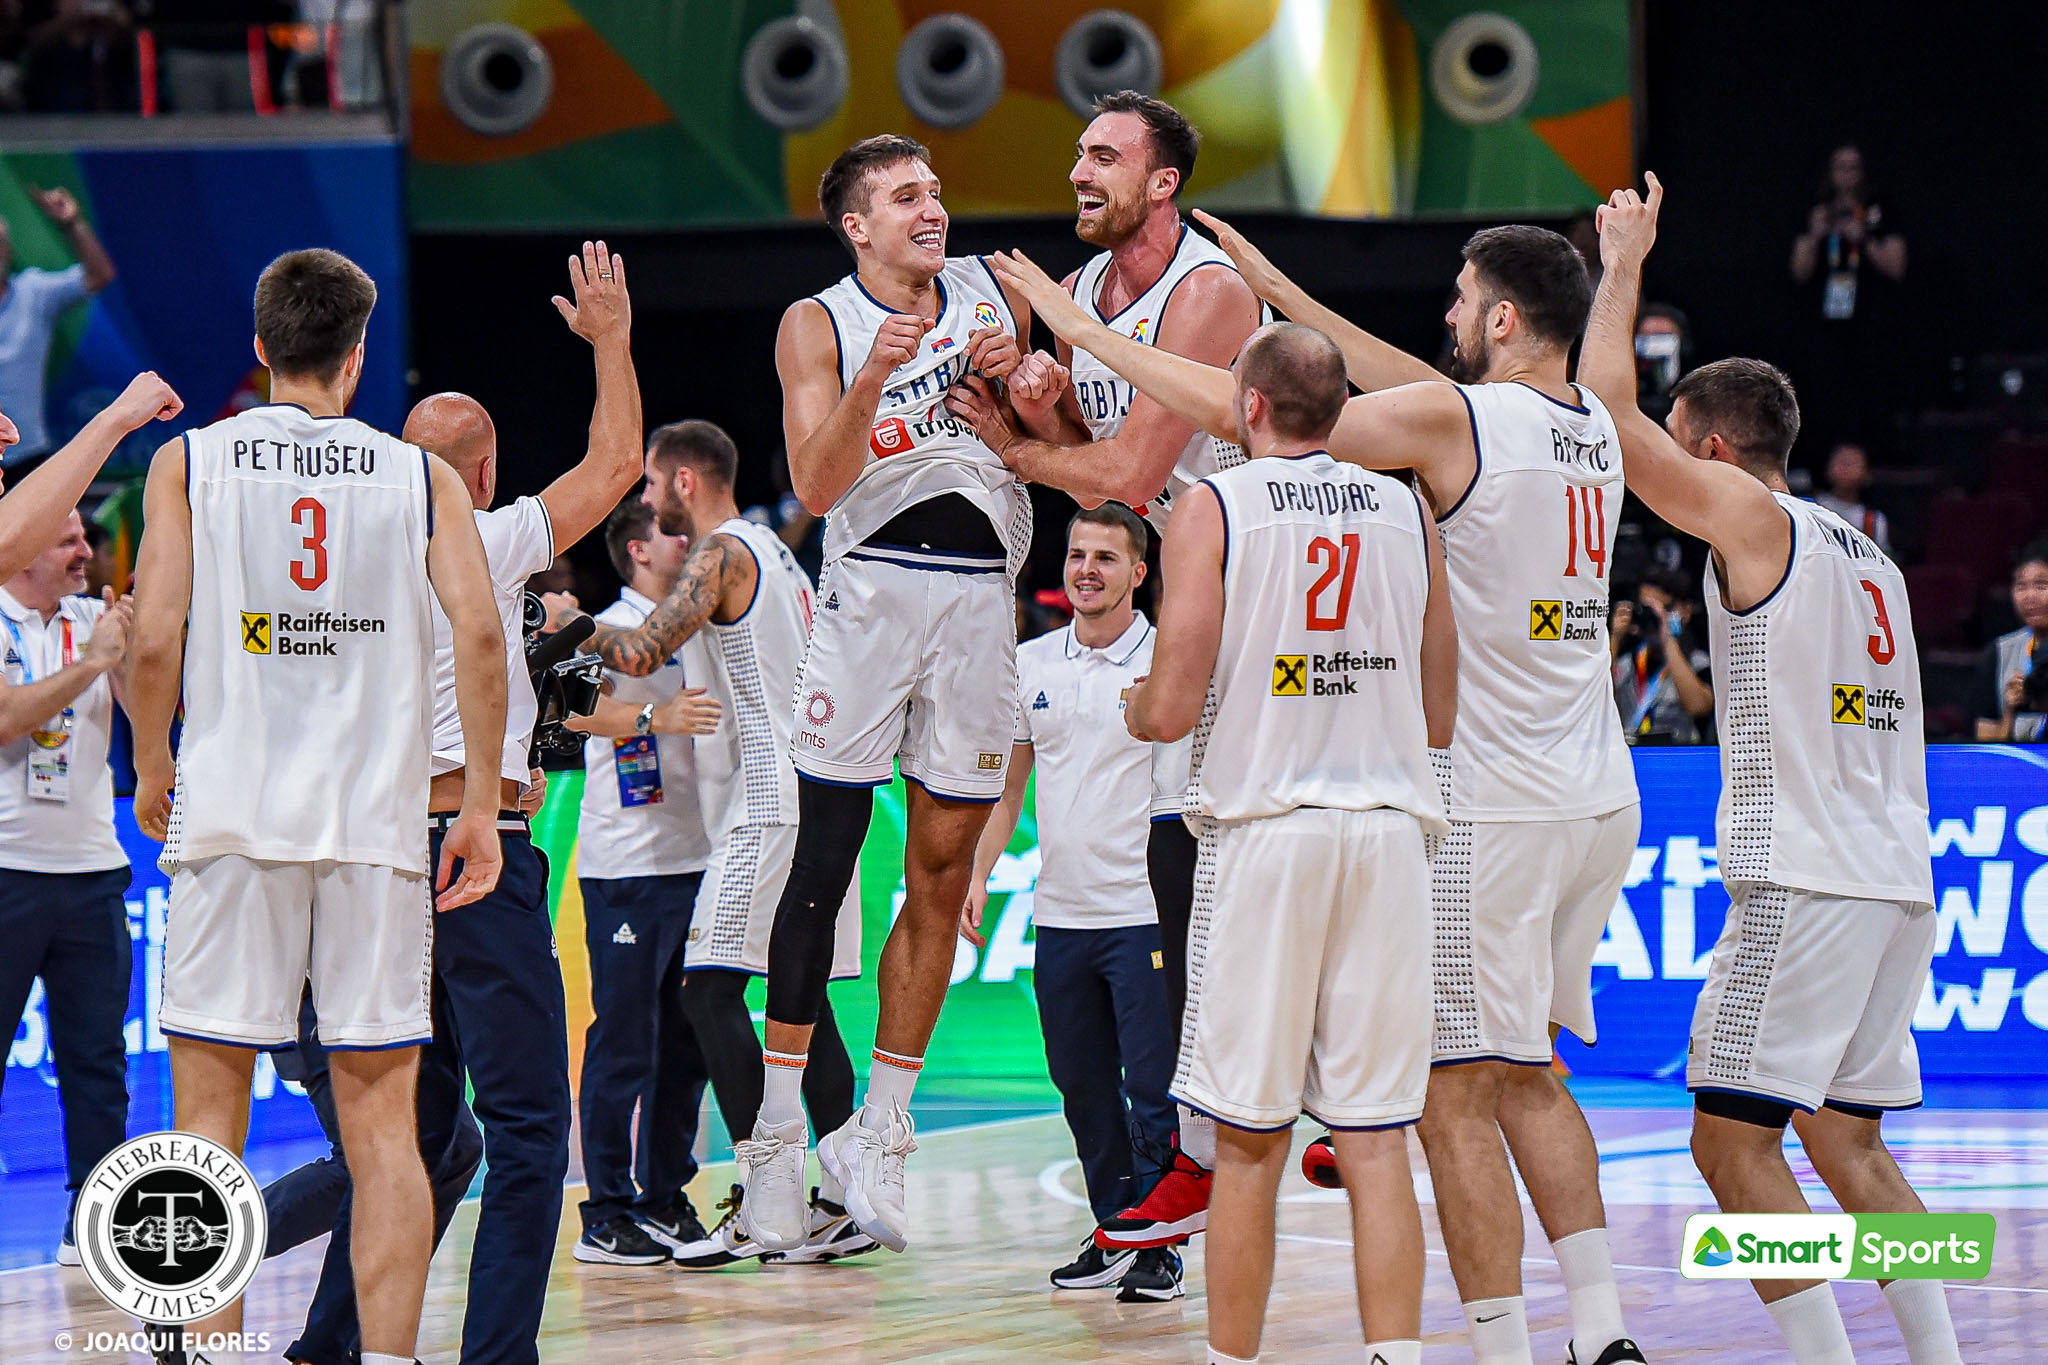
pixel 166 1343
pixel 833 1237
pixel 1094 1268
pixel 1153 1278
pixel 726 1244
pixel 672 1221
pixel 619 1241
pixel 1617 1352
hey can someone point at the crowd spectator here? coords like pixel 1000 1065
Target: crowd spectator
pixel 1849 259
pixel 2011 691
pixel 205 46
pixel 31 302
pixel 1663 346
pixel 1662 682
pixel 1848 473
pixel 82 60
pixel 1849 233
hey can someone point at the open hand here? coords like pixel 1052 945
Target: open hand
pixel 1261 274
pixel 691 711
pixel 1049 298
pixel 472 841
pixel 603 310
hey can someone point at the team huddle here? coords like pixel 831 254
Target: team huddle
pixel 1338 837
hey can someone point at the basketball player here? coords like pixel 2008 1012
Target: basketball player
pixel 1540 791
pixel 912 655
pixel 1806 1015
pixel 297 546
pixel 741 611
pixel 1308 629
pixel 1165 286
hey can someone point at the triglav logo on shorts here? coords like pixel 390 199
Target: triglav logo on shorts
pixel 170 1227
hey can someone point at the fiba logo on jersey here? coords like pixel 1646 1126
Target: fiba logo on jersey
pixel 1138 332
pixel 985 315
pixel 170 1227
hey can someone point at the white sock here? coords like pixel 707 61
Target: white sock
pixel 373 1358
pixel 1217 1357
pixel 1198 1138
pixel 1811 1322
pixel 1921 1307
pixel 1586 1264
pixel 1500 1331
pixel 1393 1352
pixel 890 1082
pixel 782 1088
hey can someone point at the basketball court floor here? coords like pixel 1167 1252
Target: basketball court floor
pixel 997 1204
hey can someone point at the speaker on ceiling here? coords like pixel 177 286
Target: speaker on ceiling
pixel 1483 69
pixel 496 79
pixel 794 73
pixel 1103 52
pixel 949 70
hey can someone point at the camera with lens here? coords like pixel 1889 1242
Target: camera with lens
pixel 2034 687
pixel 565 685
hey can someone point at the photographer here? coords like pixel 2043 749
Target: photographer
pixel 2011 692
pixel 1661 685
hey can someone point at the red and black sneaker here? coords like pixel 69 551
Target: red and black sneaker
pixel 1319 1165
pixel 1176 1210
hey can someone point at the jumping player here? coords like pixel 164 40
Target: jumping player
pixel 1806 1015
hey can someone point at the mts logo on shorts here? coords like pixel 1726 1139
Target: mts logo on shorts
pixel 1853 704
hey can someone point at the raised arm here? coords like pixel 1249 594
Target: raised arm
pixel 461 580
pixel 825 428
pixel 156 655
pixel 1373 364
pixel 62 209
pixel 1439 644
pixel 33 512
pixel 1426 427
pixel 602 315
pixel 719 578
pixel 1169 702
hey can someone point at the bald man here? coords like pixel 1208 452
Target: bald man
pixel 498 1009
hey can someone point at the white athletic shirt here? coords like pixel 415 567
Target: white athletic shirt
pixel 308 658
pixel 519 542
pixel 1526 549
pixel 917 448
pixel 1105 396
pixel 656 838
pixel 76 835
pixel 1093 779
pixel 1317 695
pixel 1817 696
pixel 744 771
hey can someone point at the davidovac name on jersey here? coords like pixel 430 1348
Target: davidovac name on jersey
pixel 1317 695
pixel 917 448
pixel 743 767
pixel 1105 396
pixel 1817 697
pixel 1526 549
pixel 309 613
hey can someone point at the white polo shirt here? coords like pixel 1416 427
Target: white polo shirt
pixel 654 838
pixel 1094 780
pixel 76 835
pixel 519 542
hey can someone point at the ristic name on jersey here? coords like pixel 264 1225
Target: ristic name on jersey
pixel 306 462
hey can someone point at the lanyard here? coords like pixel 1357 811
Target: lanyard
pixel 1647 687
pixel 28 674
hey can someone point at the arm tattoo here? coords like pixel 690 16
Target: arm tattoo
pixel 680 615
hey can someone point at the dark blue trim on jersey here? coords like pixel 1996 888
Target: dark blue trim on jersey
pixel 1305 455
pixel 972 570
pixel 838 344
pixel 939 280
pixel 1224 511
pixel 758 571
pixel 229 1042
pixel 1179 1098
pixel 1178 243
pixel 1478 458
pixel 1579 408
pixel 1485 1057
pixel 1832 1103
pixel 378 1047
pixel 1360 1127
pixel 864 785
pixel 1162 819
pixel 1791 558
pixel 1741 1094
pixel 427 472
pixel 186 437
pixel 1428 559
pixel 936 794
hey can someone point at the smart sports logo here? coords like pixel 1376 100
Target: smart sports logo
pixel 1712 1249
pixel 1837 1246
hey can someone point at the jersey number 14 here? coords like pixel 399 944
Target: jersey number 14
pixel 1585 507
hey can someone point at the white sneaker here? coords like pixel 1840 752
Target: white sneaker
pixel 833 1237
pixel 869 1165
pixel 774 1213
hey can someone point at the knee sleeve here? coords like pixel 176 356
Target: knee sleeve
pixel 1750 1109
pixel 832 822
pixel 1170 866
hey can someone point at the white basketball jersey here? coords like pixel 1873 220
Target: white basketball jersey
pixel 309 658
pixel 1105 396
pixel 1538 736
pixel 1817 696
pixel 1316 699
pixel 917 449
pixel 743 767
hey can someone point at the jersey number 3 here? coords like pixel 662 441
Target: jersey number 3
pixel 310 517
pixel 1337 565
pixel 1883 648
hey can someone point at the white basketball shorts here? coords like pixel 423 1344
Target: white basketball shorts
pixel 243 937
pixel 1308 983
pixel 911 664
pixel 735 911
pixel 1810 998
pixel 1520 908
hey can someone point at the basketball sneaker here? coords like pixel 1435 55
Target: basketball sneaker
pixel 833 1237
pixel 1175 1210
pixel 1618 1351
pixel 619 1241
pixel 868 1164
pixel 673 1221
pixel 1094 1268
pixel 67 1250
pixel 726 1244
pixel 1154 1277
pixel 771 1166
pixel 1319 1165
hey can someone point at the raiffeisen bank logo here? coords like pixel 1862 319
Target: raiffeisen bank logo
pixel 1712 1249
pixel 1769 1246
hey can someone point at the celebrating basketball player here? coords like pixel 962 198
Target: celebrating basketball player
pixel 1162 285
pixel 1806 1015
pixel 1541 794
pixel 1308 627
pixel 913 655
pixel 298 546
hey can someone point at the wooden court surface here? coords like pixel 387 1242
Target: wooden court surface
pixel 995 1208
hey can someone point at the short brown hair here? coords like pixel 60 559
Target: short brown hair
pixel 1301 373
pixel 1174 140
pixel 702 445
pixel 1115 514
pixel 631 520
pixel 1539 272
pixel 1750 404
pixel 844 187
pixel 311 309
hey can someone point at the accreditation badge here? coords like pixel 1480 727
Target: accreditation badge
pixel 49 760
